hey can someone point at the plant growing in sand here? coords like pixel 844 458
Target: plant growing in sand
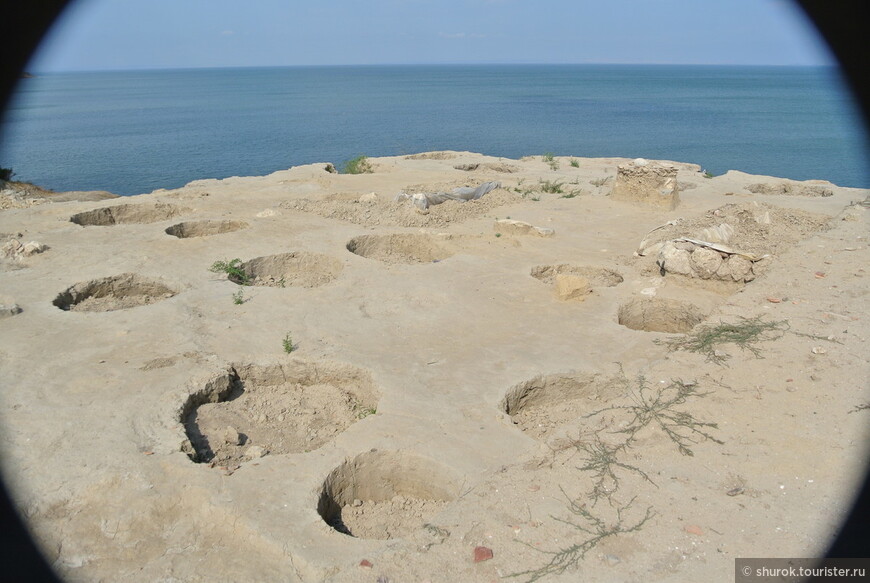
pixel 239 297
pixel 358 165
pixel 287 343
pixel 6 174
pixel 599 182
pixel 746 334
pixel 233 270
pixel 707 174
pixel 574 163
pixel 551 187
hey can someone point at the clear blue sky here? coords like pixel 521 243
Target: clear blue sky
pixel 156 34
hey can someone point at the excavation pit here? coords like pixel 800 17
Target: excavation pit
pixel 596 276
pixel 385 494
pixel 191 229
pixel 545 404
pixel 660 315
pixel 295 269
pixel 399 248
pixel 126 214
pixel 257 410
pixel 118 292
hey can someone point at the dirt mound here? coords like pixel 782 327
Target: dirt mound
pixel 596 276
pixel 399 248
pixel 271 410
pixel 756 228
pixel 660 315
pixel 790 189
pixel 204 228
pixel 118 292
pixel 126 214
pixel 432 156
pixel 543 404
pixel 384 495
pixel 298 268
pixel 404 214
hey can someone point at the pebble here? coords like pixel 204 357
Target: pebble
pixel 482 554
pixel 693 529
pixel 254 452
pixel 774 300
pixel 366 564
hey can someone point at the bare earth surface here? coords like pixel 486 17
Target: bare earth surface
pixel 451 386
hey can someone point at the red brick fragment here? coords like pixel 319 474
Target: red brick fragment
pixel 366 564
pixel 482 554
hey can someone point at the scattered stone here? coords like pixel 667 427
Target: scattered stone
pixel 571 287
pixel 735 491
pixel 255 452
pixel 612 560
pixel 482 554
pixel 366 564
pixel 647 183
pixel 232 436
pixel 369 197
pixel 266 213
pixel 693 529
pixel 9 311
pixel 774 300
pixel 520 228
pixel 790 189
pixel 819 350
pixel 330 167
pixel 706 262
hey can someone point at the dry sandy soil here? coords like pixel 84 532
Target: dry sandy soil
pixel 439 402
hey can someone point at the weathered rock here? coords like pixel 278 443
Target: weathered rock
pixel 705 262
pixel 369 197
pixel 482 554
pixel 647 183
pixel 33 247
pixel 232 436
pixel 254 452
pixel 740 268
pixel 7 311
pixel 571 287
pixel 674 260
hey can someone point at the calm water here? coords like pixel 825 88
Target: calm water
pixel 132 132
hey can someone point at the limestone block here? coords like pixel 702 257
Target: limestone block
pixel 741 268
pixel 647 183
pixel 674 260
pixel 706 262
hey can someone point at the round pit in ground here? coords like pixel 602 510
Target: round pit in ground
pixel 399 248
pixel 385 494
pixel 596 276
pixel 545 404
pixel 127 214
pixel 660 315
pixel 297 269
pixel 118 292
pixel 257 410
pixel 204 228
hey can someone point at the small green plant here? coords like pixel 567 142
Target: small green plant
pixel 239 297
pixel 287 343
pixel 358 165
pixel 283 281
pixel 6 174
pixel 235 272
pixel 707 174
pixel 571 194
pixel 599 181
pixel 551 187
pixel 535 199
pixel 575 163
pixel 498 234
pixel 548 157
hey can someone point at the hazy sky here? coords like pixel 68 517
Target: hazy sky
pixel 136 34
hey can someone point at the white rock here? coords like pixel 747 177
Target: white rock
pixel 674 260
pixel 266 213
pixel 255 452
pixel 369 197
pixel 706 262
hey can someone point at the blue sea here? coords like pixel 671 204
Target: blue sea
pixel 131 132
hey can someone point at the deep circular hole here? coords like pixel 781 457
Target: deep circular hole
pixel 660 315
pixel 127 214
pixel 190 229
pixel 255 410
pixel 399 248
pixel 118 292
pixel 385 494
pixel 298 268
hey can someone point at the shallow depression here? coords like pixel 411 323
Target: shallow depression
pixel 546 403
pixel 597 276
pixel 204 228
pixel 127 214
pixel 399 248
pixel 385 494
pixel 298 268
pixel 257 410
pixel 118 292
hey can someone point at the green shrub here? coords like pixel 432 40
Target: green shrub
pixel 358 165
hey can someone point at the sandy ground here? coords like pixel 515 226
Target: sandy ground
pixel 439 402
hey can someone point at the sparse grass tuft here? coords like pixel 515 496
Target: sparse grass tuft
pixel 358 165
pixel 572 194
pixel 574 163
pixel 239 297
pixel 598 182
pixel 707 174
pixel 745 334
pixel 232 269
pixel 551 187
pixel 6 174
pixel 550 159
pixel 287 343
